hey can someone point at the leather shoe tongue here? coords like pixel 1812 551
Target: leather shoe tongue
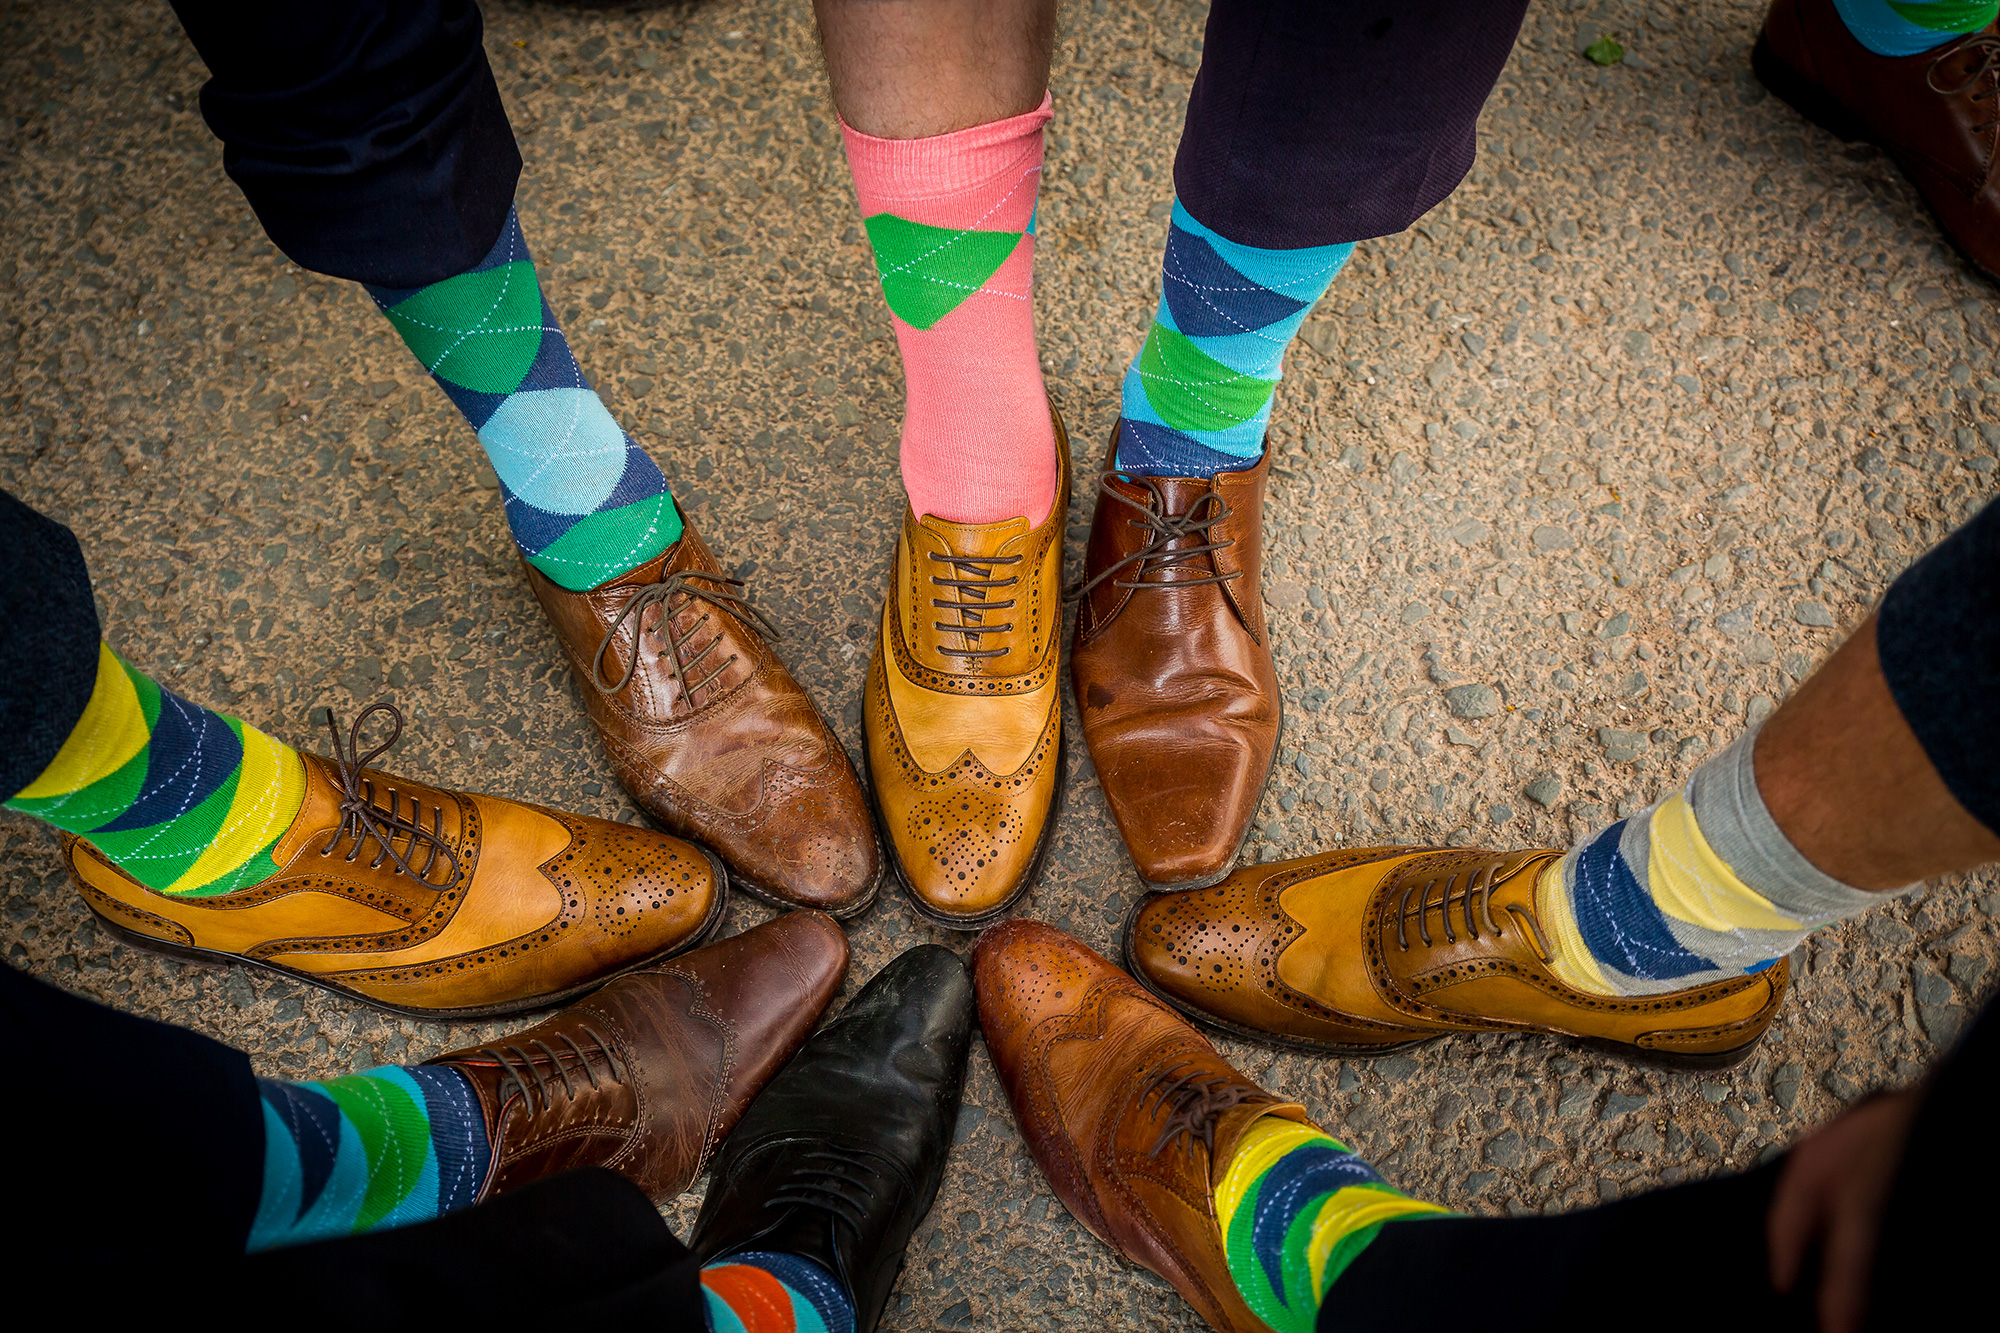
pixel 1233 1124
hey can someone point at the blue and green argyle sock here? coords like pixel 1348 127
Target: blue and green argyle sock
pixel 1197 398
pixel 382 1148
pixel 584 501
pixel 1912 27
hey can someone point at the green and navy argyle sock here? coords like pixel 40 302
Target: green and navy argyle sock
pixel 1912 27
pixel 768 1292
pixel 1295 1206
pixel 382 1148
pixel 1197 398
pixel 584 501
pixel 182 799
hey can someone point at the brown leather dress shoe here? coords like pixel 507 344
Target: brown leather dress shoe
pixel 963 708
pixel 1937 114
pixel 428 902
pixel 1129 1112
pixel 1368 951
pixel 1173 668
pixel 647 1076
pixel 711 735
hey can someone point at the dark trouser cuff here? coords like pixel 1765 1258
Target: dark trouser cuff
pixel 1938 635
pixel 48 654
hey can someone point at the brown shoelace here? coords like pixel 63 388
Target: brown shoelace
pixel 540 1095
pixel 1986 46
pixel 1478 881
pixel 718 590
pixel 976 577
pixel 1193 1101
pixel 361 818
pixel 1208 511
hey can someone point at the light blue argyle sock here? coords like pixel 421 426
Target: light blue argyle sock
pixel 1912 27
pixel 1197 398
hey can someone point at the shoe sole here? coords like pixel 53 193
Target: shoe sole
pixel 981 920
pixel 1308 1046
pixel 1826 111
pixel 216 958
pixel 1209 881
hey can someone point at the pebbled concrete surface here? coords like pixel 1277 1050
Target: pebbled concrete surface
pixel 1573 478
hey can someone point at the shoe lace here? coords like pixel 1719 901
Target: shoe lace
pixel 519 1067
pixel 1478 880
pixel 720 593
pixel 1205 513
pixel 1193 1099
pixel 1986 46
pixel 976 576
pixel 837 1181
pixel 361 818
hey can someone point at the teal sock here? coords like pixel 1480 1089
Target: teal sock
pixel 1197 398
pixel 1912 27
pixel 583 500
pixel 382 1148
pixel 767 1292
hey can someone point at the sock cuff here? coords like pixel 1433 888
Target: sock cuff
pixel 889 173
pixel 1732 816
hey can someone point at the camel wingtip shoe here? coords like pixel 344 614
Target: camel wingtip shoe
pixel 1934 113
pixel 963 709
pixel 430 902
pixel 1128 1110
pixel 711 735
pixel 1176 689
pixel 649 1074
pixel 1365 951
pixel 842 1154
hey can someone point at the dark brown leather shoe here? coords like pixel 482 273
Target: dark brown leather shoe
pixel 1172 664
pixel 647 1076
pixel 1371 950
pixel 1129 1111
pixel 1937 114
pixel 429 902
pixel 711 735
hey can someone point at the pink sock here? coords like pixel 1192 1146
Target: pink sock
pixel 951 219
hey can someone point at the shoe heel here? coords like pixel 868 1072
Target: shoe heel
pixel 1803 95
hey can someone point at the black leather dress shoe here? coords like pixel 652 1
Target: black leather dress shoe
pixel 840 1156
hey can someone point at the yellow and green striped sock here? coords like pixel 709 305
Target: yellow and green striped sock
pixel 184 800
pixel 1295 1207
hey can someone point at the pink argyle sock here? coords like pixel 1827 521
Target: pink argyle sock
pixel 952 222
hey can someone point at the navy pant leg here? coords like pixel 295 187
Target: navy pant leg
pixel 1938 635
pixel 48 648
pixel 135 1143
pixel 1313 123
pixel 367 135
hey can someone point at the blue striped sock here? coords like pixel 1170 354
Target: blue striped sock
pixel 1912 27
pixel 382 1148
pixel 1197 398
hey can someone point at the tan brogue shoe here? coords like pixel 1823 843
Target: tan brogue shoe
pixel 964 708
pixel 428 902
pixel 711 735
pixel 649 1074
pixel 1128 1111
pixel 1177 693
pixel 1371 950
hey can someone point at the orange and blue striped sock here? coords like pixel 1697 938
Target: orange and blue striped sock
pixel 182 799
pixel 763 1291
pixel 1295 1207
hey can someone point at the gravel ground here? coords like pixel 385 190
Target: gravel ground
pixel 1573 479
